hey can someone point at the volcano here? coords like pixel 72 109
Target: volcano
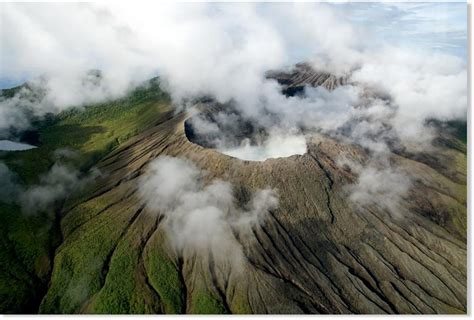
pixel 316 252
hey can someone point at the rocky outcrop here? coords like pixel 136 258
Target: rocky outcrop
pixel 303 75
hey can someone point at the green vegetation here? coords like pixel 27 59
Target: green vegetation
pixel 164 276
pixel 24 244
pixel 93 131
pixel 83 260
pixel 459 129
pixel 203 302
pixel 240 303
pixel 28 241
pixel 123 291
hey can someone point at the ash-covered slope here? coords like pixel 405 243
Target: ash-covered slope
pixel 315 253
pixel 302 75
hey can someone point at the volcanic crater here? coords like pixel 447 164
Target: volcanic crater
pixel 316 253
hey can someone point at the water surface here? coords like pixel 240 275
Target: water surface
pixel 7 145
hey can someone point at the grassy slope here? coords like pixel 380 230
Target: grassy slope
pixel 27 242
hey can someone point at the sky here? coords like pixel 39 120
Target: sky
pixel 438 27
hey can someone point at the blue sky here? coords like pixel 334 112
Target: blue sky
pixel 429 26
pixel 432 27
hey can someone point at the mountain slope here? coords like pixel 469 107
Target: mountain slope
pixel 28 241
pixel 315 253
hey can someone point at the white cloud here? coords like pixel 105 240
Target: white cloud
pixel 378 185
pixel 219 49
pixel 275 146
pixel 421 87
pixel 197 215
pixel 56 184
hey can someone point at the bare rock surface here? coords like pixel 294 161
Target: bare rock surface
pixel 302 75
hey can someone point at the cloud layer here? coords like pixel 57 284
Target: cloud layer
pixel 275 146
pixel 60 181
pixel 199 216
pixel 224 50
